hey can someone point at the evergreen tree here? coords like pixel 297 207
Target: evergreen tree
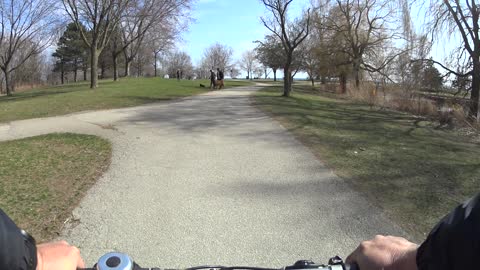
pixel 432 79
pixel 71 53
pixel 61 63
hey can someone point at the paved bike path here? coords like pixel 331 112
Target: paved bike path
pixel 209 180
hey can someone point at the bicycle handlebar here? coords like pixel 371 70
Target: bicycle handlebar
pixel 121 261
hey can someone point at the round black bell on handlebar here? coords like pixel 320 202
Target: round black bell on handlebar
pixel 115 261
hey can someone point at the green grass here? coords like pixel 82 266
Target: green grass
pixel 71 98
pixel 401 163
pixel 43 178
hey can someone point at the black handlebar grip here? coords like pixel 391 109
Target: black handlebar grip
pixel 352 267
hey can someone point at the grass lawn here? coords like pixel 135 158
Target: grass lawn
pixel 43 178
pixel 401 163
pixel 71 98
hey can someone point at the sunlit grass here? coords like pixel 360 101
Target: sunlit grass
pixel 43 178
pixel 71 98
pixel 413 171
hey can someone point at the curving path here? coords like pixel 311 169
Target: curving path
pixel 209 180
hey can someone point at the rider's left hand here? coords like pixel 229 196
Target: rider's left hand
pixel 58 256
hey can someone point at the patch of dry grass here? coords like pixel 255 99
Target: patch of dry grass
pixel 42 179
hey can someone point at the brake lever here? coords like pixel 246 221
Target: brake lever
pixel 339 261
pixel 335 263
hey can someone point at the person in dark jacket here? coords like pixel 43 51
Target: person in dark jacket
pixel 213 78
pixel 453 244
pixel 220 78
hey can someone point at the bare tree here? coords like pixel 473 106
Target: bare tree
pixel 248 62
pixel 26 30
pixel 218 56
pixel 31 73
pixel 365 27
pixel 159 39
pixel 203 68
pixel 309 59
pixel 461 17
pixel 270 53
pixel 179 61
pixel 140 64
pixel 292 34
pixel 257 72
pixel 168 14
pixel 266 71
pixel 99 18
pixel 135 21
pixel 321 38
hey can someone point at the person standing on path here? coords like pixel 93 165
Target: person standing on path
pixel 220 78
pixel 212 79
pixel 178 74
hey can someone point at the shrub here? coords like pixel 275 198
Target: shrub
pixel 449 112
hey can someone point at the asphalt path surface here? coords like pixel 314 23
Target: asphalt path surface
pixel 209 179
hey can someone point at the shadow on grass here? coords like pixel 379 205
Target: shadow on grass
pixel 398 160
pixel 350 115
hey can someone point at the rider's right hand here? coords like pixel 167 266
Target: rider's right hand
pixel 385 253
pixel 58 256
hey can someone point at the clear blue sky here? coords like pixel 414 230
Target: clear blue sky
pixel 235 23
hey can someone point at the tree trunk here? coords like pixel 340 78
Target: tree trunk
pixel 127 67
pixel 287 83
pixel 140 71
pixel 62 73
pixel 357 78
pixel 155 64
pixel 356 72
pixel 115 66
pixel 474 97
pixel 291 81
pixel 274 74
pixel 94 66
pixel 8 82
pixel 343 83
pixel 103 68
pixel 75 70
